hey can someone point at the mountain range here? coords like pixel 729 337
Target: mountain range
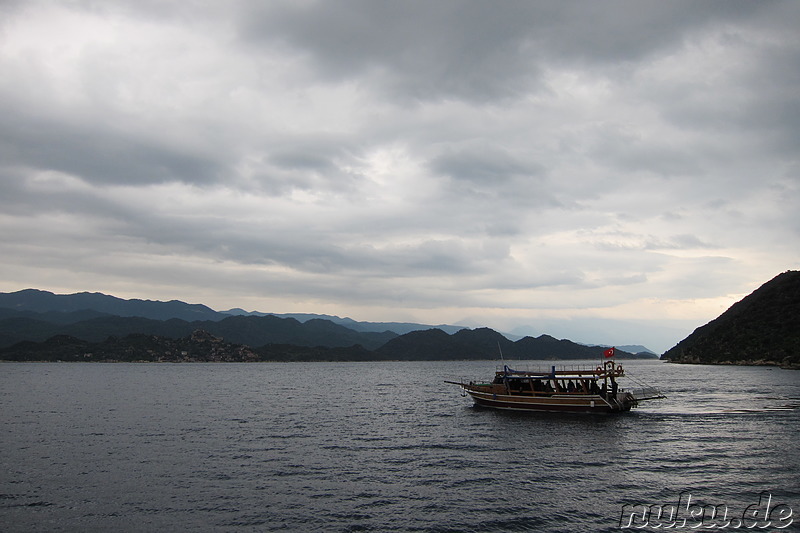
pixel 763 328
pixel 33 316
pixel 397 327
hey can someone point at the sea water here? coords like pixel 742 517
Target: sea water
pixel 384 446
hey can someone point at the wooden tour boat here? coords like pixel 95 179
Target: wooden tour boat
pixel 585 389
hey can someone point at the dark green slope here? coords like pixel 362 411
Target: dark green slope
pixel 43 301
pixel 253 331
pixel 484 343
pixel 763 328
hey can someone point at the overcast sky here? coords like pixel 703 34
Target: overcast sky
pixel 614 172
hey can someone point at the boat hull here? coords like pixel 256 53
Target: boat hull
pixel 554 403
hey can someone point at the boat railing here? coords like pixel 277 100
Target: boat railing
pixel 548 370
pixel 646 393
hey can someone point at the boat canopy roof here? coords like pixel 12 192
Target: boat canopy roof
pixel 606 369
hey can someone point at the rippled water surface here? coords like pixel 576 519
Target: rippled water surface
pixel 374 447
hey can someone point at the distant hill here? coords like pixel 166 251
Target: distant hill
pixel 630 348
pixel 252 331
pixel 398 327
pixel 258 331
pixel 200 345
pixel 43 301
pixel 485 343
pixel 762 328
pixel 71 308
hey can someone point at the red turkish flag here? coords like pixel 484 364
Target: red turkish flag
pixel 610 352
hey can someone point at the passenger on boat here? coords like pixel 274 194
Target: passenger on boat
pixel 520 385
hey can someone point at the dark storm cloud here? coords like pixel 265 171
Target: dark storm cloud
pixel 602 33
pixel 482 166
pixel 417 50
pixel 494 183
pixel 630 152
pixel 473 50
pixel 99 155
pixel 313 162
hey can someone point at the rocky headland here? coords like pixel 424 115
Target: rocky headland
pixel 761 329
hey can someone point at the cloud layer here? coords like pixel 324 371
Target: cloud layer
pixel 531 165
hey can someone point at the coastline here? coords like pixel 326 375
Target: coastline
pixel 743 362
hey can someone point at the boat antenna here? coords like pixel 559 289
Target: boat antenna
pixel 499 349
